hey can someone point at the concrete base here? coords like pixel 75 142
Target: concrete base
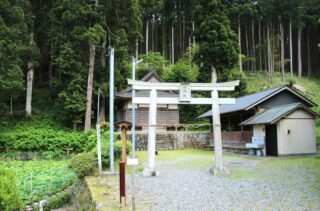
pixel 147 172
pixel 217 171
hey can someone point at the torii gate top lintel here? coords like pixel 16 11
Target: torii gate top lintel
pixel 224 86
pixel 184 90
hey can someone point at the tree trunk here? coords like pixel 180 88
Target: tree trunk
pixel 172 44
pixel 269 52
pixel 75 125
pixel 291 54
pixel 29 82
pixel 282 48
pixel 164 42
pixel 239 41
pixel 147 36
pixel 11 109
pixel 183 32
pixel 272 50
pixel 51 62
pixel 253 49
pixel 260 49
pixel 247 47
pixel 104 65
pixel 309 56
pixel 299 52
pixel 137 48
pixel 92 52
pixel 152 34
pixel 102 113
pixel 193 37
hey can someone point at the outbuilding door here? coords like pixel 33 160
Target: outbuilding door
pixel 271 140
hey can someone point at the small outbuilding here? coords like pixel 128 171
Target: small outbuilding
pixel 288 129
pixel 279 121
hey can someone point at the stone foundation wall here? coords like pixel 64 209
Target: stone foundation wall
pixel 181 140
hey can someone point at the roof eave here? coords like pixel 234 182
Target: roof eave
pixel 285 87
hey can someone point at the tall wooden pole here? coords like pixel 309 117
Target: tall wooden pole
pixel 123 143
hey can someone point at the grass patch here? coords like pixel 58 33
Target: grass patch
pixel 39 179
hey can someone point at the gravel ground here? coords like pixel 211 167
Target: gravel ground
pixel 185 188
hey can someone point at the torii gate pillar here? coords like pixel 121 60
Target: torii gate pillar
pixel 150 168
pixel 218 165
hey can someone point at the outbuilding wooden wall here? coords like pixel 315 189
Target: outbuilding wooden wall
pixel 297 134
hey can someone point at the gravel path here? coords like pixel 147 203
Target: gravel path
pixel 178 188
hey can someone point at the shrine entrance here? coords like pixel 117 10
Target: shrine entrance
pixel 185 97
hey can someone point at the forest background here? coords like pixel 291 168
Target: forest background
pixel 54 54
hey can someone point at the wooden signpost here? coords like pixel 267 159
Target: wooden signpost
pixel 124 126
pixel 185 97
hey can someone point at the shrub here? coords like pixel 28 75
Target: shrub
pixel 58 201
pixel 9 197
pixel 41 137
pixel 83 164
pixel 105 152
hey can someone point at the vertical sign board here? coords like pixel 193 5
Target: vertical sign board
pixel 185 93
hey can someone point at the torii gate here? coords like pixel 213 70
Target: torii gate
pixel 184 98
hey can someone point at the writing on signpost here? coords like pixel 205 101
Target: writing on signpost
pixel 185 92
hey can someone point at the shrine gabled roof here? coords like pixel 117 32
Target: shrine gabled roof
pixel 145 93
pixel 274 114
pixel 249 101
pixel 126 94
pixel 150 74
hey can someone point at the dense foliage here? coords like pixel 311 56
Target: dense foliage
pixel 83 164
pixel 37 180
pixel 42 137
pixel 217 42
pixel 9 196
pixel 66 45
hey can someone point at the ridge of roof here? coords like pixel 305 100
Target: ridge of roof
pixel 274 114
pixel 144 78
pixel 248 101
pixel 151 73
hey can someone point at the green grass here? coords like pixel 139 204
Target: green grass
pixel 309 87
pixel 39 179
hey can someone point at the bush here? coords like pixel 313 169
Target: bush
pixel 9 197
pixel 105 152
pixel 41 137
pixel 58 201
pixel 83 164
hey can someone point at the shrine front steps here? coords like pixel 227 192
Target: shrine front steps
pixel 163 142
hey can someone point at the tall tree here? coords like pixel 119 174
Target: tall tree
pixel 14 49
pixel 94 35
pixel 217 42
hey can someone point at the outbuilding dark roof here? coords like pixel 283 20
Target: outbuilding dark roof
pixel 274 114
pixel 246 102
